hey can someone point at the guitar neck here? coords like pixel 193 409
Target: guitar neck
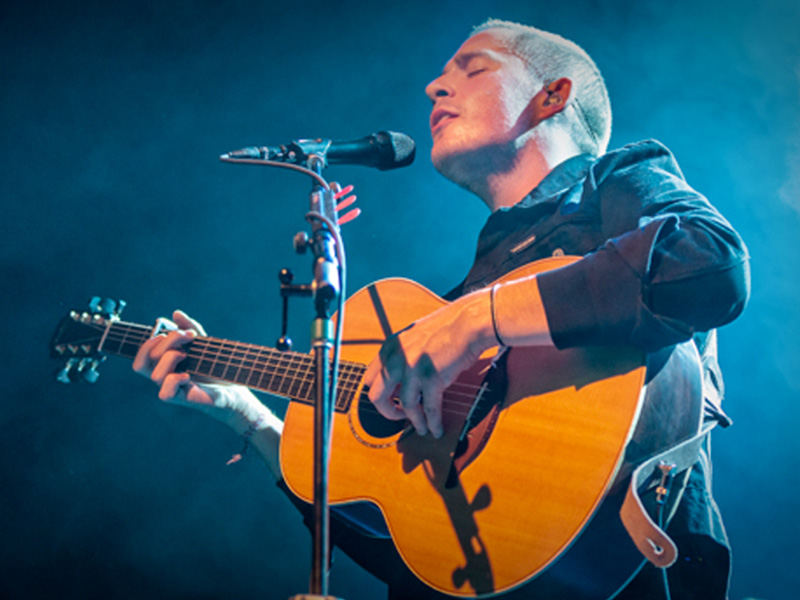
pixel 286 374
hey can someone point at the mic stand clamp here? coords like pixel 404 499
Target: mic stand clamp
pixel 288 290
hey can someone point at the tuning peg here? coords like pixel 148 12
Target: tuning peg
pixel 63 375
pixel 107 306
pixel 87 369
pixel 91 374
pixel 75 369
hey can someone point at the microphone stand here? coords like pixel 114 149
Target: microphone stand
pixel 327 288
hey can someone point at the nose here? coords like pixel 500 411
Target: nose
pixel 438 88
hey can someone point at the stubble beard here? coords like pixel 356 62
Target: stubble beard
pixel 471 169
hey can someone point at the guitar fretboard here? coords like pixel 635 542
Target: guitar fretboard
pixel 287 374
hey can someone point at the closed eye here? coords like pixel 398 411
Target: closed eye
pixel 476 72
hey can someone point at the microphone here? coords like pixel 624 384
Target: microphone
pixel 383 150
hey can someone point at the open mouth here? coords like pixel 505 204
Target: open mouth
pixel 440 116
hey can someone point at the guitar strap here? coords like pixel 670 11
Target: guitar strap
pixel 650 538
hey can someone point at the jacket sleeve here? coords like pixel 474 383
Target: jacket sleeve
pixel 670 267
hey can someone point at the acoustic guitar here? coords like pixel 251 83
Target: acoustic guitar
pixel 523 488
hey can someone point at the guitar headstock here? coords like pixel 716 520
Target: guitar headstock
pixel 79 338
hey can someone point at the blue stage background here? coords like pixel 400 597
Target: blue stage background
pixel 113 116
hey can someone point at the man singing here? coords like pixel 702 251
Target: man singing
pixel 521 118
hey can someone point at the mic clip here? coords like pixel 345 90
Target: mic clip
pixel 296 152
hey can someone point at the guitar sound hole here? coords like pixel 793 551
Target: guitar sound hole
pixel 374 423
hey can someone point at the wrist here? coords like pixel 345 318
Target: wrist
pixel 518 315
pixel 257 425
pixel 238 408
pixel 493 311
pixel 478 321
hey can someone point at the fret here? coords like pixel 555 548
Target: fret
pixel 235 356
pixel 244 366
pixel 347 385
pixel 135 336
pixel 281 363
pixel 233 364
pixel 111 344
pixel 254 369
pixel 247 368
pixel 292 379
pixel 343 399
pixel 229 353
pixel 224 355
pixel 306 389
pixel 278 366
pixel 220 370
pixel 237 360
pixel 119 338
pixel 114 343
pixel 196 360
pixel 266 371
pixel 350 375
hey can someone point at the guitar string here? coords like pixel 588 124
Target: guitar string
pixel 226 350
pixel 277 360
pixel 229 350
pixel 243 354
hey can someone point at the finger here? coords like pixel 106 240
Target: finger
pixel 339 191
pixel 372 372
pixel 409 400
pixel 174 340
pixel 184 321
pixel 346 202
pixel 141 362
pixel 349 216
pixel 431 387
pixel 175 385
pixel 380 394
pixel 166 365
pixel 432 408
pixel 151 351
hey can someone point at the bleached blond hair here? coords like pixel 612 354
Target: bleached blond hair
pixel 550 57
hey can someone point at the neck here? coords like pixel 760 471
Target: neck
pixel 503 188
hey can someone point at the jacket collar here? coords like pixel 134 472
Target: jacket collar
pixel 561 178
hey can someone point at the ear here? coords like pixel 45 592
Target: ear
pixel 552 98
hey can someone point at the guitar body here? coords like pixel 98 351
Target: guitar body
pixel 541 461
